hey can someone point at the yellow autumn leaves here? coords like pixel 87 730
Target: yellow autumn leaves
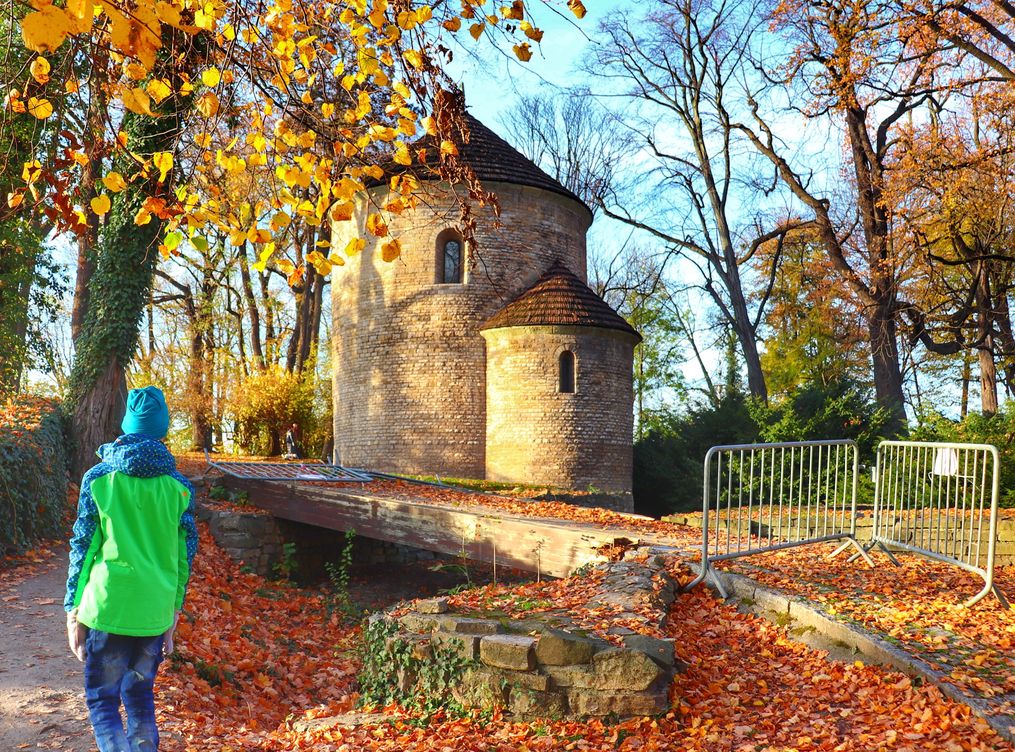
pixel 385 78
pixel 114 182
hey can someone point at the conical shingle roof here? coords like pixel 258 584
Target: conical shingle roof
pixel 559 298
pixel 493 159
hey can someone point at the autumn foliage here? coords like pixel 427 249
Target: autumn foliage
pixel 252 654
pixel 305 97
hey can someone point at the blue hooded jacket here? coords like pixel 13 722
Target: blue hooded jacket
pixel 134 540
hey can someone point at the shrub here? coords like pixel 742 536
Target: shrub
pixel 668 460
pixel 976 428
pixel 267 404
pixel 814 411
pixel 33 472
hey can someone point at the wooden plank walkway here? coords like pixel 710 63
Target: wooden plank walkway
pixel 535 544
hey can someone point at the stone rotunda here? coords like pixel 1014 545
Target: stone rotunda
pixel 495 362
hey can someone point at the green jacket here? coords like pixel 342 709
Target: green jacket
pixel 134 540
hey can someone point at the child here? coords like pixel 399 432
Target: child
pixel 131 553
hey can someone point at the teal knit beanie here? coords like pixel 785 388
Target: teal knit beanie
pixel 146 413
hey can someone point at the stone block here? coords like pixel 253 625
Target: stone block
pixel 515 652
pixel 526 703
pixel 345 720
pixel 418 623
pixel 480 688
pixel 421 649
pixel 556 648
pixel 465 645
pixel 406 679
pixel 570 676
pixel 534 681
pixel 526 626
pixel 621 669
pixel 595 703
pixel 659 650
pixel 432 606
pixel 467 625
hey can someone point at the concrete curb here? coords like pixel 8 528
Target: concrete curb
pixel 776 606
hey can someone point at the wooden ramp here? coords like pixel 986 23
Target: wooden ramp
pixel 545 546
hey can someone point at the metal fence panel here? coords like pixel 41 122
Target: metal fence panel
pixel 767 497
pixel 939 500
pixel 292 471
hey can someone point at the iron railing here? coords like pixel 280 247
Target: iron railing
pixel 292 471
pixel 939 500
pixel 767 497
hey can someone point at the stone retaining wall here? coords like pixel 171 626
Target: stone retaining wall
pixel 252 539
pixel 535 667
pixel 256 540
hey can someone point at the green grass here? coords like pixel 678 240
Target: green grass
pixel 480 485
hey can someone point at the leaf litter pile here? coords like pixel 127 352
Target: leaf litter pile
pixel 252 654
pixel 916 605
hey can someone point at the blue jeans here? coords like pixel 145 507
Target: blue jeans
pixel 120 668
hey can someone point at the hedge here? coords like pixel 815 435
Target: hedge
pixel 33 472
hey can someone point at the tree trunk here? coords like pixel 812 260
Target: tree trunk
pixel 312 327
pixel 749 347
pixel 90 173
pixel 252 312
pixel 197 384
pixel 300 334
pixel 274 441
pixel 97 415
pixel 881 328
pixel 271 347
pixel 985 337
pixel 119 291
pixel 882 325
pixel 966 377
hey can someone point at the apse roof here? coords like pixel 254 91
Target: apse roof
pixel 559 298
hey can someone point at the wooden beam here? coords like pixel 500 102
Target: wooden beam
pixel 550 547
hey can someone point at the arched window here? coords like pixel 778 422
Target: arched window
pixel 566 372
pixel 451 260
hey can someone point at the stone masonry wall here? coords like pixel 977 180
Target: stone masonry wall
pixel 535 433
pixel 408 360
pixel 538 667
pixel 256 539
pixel 249 538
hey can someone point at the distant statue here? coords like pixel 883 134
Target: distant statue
pixel 292 444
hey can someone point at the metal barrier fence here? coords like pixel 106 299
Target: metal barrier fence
pixel 767 497
pixel 940 501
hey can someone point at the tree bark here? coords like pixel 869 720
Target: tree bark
pixel 271 347
pixel 253 313
pixel 966 377
pixel 985 338
pixel 882 325
pixel 88 239
pixel 97 415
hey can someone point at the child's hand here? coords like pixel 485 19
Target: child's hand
pixel 76 634
pixel 167 643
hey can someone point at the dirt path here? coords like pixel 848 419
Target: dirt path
pixel 41 697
